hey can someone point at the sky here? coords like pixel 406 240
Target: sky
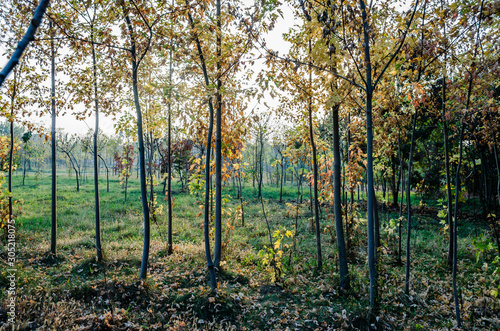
pixel 274 40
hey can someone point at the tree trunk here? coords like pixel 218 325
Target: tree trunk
pixel 207 162
pixel 96 160
pixel 142 164
pixel 315 172
pixel 400 223
pixel 282 178
pixel 447 169
pixel 218 148
pixel 71 158
pixel 261 175
pixel 241 200
pixel 343 267
pixel 126 184
pixel 455 247
pixel 369 167
pixel 498 172
pixel 408 206
pixel 24 167
pixel 376 220
pixel 53 234
pixel 11 149
pixel 107 173
pixel 394 184
pixel 254 172
pixel 169 159
pixel 151 175
pixel 351 205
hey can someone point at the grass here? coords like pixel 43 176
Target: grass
pixel 73 291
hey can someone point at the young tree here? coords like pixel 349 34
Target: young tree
pixel 67 145
pixel 137 51
pixel 124 164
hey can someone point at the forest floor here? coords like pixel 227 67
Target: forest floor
pixel 74 292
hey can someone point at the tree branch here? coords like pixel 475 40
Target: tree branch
pixel 399 47
pixel 21 47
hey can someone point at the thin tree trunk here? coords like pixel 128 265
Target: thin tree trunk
pixel 142 165
pixel 107 173
pixel 315 174
pixel 282 178
pixel 24 167
pixel 455 247
pixel 495 230
pixel 11 149
pixel 169 159
pixel 376 220
pixel 261 175
pixel 400 223
pixel 498 171
pixel 351 207
pixel 394 184
pixel 96 160
pixel 207 162
pixel 151 174
pixel 218 148
pixel 241 199
pixel 126 184
pixel 53 235
pixel 73 164
pixel 369 167
pixel 343 267
pixel 447 169
pixel 408 206
pixel 254 165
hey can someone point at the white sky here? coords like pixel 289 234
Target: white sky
pixel 70 124
pixel 274 40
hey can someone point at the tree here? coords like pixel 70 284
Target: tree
pixel 124 164
pixel 67 145
pixel 53 242
pixel 26 147
pixel 352 22
pixel 136 59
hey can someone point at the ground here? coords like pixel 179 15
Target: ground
pixel 74 292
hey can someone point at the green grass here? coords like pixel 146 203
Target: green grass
pixel 176 293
